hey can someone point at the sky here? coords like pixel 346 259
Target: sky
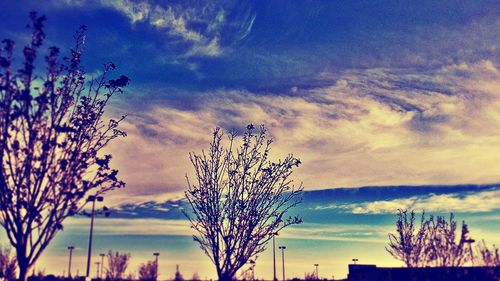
pixel 365 93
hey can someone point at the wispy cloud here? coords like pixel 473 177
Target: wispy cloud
pixel 198 25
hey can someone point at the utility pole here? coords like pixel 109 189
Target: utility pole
pixel 156 263
pixel 102 264
pixel 97 275
pixel 70 248
pixel 470 241
pixel 282 248
pixel 316 265
pixel 91 198
pixel 274 256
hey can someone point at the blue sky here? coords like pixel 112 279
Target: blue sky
pixel 374 93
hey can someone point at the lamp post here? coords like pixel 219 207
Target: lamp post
pixel 156 263
pixel 91 198
pixel 70 248
pixel 470 241
pixel 316 265
pixel 354 260
pixel 274 256
pixel 98 268
pixel 102 255
pixel 282 248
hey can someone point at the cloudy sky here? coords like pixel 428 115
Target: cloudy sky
pixel 365 93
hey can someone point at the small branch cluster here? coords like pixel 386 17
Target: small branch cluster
pixel 117 265
pixel 148 271
pixel 488 255
pixel 7 264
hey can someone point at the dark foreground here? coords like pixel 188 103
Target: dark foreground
pixel 374 273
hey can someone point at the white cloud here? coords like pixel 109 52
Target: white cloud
pixel 485 201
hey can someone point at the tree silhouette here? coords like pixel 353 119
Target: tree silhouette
pixel 443 247
pixel 489 256
pixel 434 243
pixel 178 275
pixel 51 134
pixel 117 265
pixel 148 272
pixel 240 198
pixel 409 244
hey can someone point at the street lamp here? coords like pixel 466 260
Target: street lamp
pixel 274 256
pixel 102 255
pixel 282 248
pixel 91 198
pixel 98 267
pixel 316 265
pixel 156 263
pixel 70 248
pixel 354 260
pixel 470 241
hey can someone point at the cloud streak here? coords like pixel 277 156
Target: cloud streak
pixel 486 201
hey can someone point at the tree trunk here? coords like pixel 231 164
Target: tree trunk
pixel 226 276
pixel 23 262
pixel 24 269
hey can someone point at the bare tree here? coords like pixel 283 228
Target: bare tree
pixel 117 265
pixel 51 134
pixel 7 264
pixel 240 198
pixel 434 243
pixel 309 276
pixel 409 243
pixel 489 256
pixel 147 271
pixel 444 248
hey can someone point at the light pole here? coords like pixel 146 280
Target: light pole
pixel 156 263
pixel 274 256
pixel 354 260
pixel 98 267
pixel 316 265
pixel 91 198
pixel 70 248
pixel 470 241
pixel 102 255
pixel 282 248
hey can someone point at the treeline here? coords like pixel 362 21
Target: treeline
pixel 437 242
pixel 115 269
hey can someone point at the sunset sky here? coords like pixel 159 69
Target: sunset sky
pixel 365 93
